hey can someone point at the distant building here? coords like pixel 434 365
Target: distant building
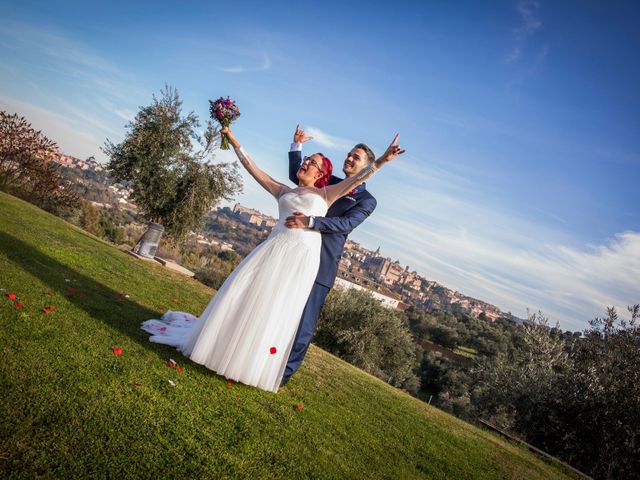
pixel 355 277
pixel 253 217
pixel 268 222
pixel 387 271
pixel 250 218
pixel 412 280
pixel 392 302
pixel 73 162
pixel 237 208
pixel 202 240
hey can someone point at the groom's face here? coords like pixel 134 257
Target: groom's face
pixel 356 160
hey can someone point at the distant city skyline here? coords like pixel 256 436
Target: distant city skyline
pixel 520 120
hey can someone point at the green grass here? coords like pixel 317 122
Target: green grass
pixel 71 409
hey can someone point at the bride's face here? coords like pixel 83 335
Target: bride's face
pixel 311 169
pixel 356 160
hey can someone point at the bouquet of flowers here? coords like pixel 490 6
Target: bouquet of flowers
pixel 225 111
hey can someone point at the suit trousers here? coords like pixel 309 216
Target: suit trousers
pixel 307 327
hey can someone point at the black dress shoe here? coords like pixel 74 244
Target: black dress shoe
pixel 284 381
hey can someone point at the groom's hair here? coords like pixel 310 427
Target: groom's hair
pixel 370 155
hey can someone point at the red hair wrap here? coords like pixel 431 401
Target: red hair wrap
pixel 327 168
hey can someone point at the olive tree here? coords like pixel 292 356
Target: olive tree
pixel 168 165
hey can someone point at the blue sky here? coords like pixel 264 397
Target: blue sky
pixel 520 120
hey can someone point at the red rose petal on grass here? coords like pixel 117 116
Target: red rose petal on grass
pixel 229 383
pixel 172 363
pixel 179 369
pixel 48 309
pixel 137 384
pixel 273 350
pixel 19 304
pixel 12 296
pixel 298 407
pixel 117 351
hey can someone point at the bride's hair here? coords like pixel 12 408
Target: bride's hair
pixel 327 168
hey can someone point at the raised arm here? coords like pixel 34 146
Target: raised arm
pixel 333 192
pixel 274 187
pixel 295 153
pixel 295 160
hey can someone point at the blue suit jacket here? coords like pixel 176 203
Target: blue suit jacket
pixel 343 216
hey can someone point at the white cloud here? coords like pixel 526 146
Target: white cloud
pixel 78 126
pixel 90 71
pixel 89 118
pixel 428 175
pixel 531 23
pixel 329 141
pixel 122 113
pixel 266 65
pixel 125 114
pixel 57 46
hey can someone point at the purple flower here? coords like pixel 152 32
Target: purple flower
pixel 225 111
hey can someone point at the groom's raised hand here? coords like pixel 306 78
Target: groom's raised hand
pixel 299 136
pixel 394 150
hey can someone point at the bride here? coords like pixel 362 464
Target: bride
pixel 247 330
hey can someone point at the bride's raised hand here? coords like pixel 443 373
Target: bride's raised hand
pixel 226 132
pixel 391 153
pixel 299 136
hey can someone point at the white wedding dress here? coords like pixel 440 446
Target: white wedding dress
pixel 246 332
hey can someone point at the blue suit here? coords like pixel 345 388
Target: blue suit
pixel 343 216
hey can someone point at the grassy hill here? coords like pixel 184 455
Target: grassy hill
pixel 71 408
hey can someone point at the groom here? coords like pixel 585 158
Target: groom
pixel 342 217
